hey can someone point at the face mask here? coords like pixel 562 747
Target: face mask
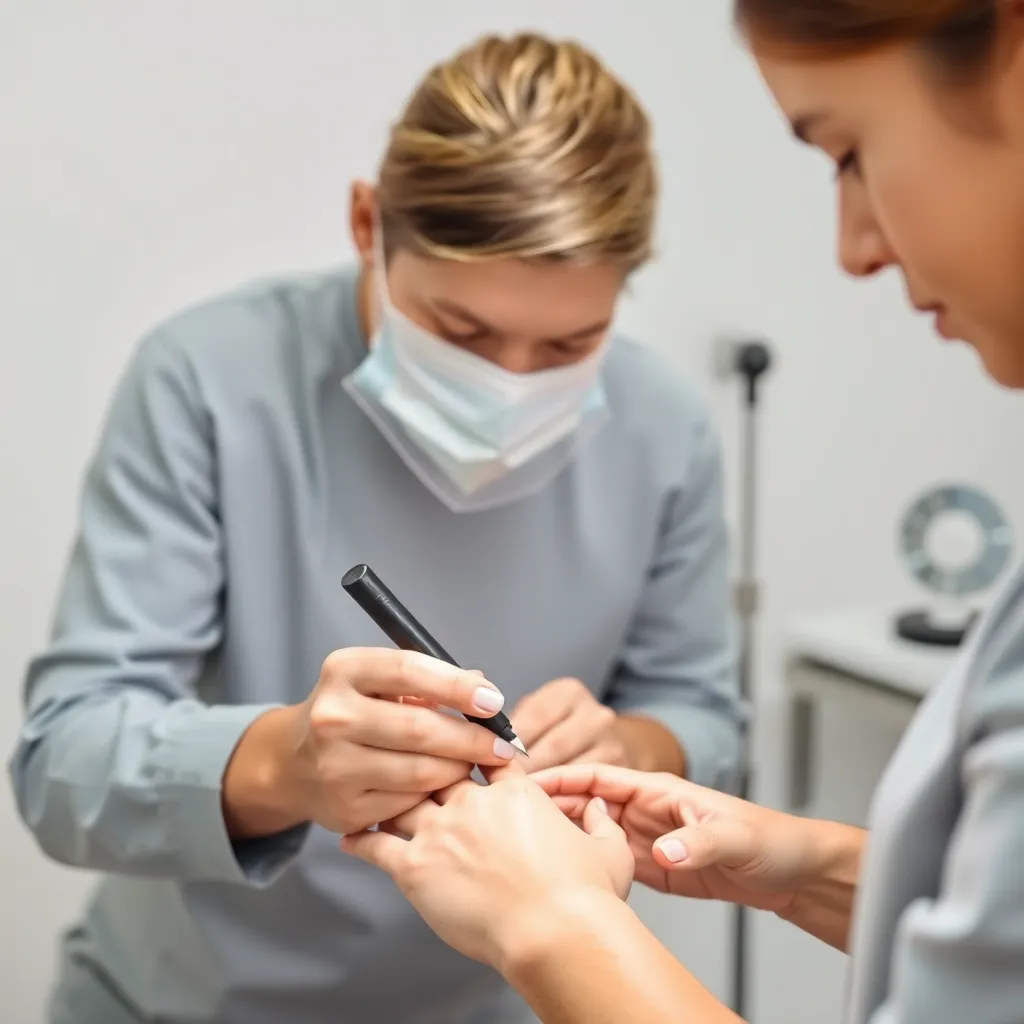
pixel 475 434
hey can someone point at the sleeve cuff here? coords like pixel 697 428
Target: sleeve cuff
pixel 712 745
pixel 189 774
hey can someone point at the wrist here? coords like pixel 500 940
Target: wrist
pixel 262 792
pixel 531 936
pixel 649 746
pixel 835 853
pixel 823 900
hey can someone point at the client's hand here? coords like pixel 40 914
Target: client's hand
pixel 692 841
pixel 485 865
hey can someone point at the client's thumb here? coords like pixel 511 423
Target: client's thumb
pixel 724 843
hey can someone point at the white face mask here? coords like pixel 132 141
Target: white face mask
pixel 489 436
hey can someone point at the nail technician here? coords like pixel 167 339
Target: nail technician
pixel 456 412
pixel 919 105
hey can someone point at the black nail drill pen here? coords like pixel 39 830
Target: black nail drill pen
pixel 402 629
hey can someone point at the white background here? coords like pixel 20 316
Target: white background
pixel 153 153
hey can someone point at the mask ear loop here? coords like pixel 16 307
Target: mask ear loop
pixel 380 274
pixel 380 263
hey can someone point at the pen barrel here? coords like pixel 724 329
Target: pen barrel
pixel 399 625
pixel 402 628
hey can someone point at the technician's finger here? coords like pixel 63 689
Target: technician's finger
pixel 383 672
pixel 566 740
pixel 539 711
pixel 381 849
pixel 395 772
pixel 422 730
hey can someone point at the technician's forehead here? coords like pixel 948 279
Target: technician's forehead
pixel 520 296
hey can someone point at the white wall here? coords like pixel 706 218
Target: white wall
pixel 153 153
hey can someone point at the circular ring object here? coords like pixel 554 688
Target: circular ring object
pixel 993 556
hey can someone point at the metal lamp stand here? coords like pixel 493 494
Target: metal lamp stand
pixel 750 361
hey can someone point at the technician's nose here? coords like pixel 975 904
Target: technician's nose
pixel 513 358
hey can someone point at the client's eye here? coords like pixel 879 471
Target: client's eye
pixel 847 163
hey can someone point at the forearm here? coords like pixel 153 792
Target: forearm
pixel 120 780
pixel 823 906
pixel 597 964
pixel 649 745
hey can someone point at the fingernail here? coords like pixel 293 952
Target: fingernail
pixel 600 805
pixel 673 850
pixel 502 748
pixel 487 700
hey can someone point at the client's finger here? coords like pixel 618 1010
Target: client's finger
pixel 725 843
pixel 598 822
pixel 573 807
pixel 411 821
pixel 442 796
pixel 606 781
pixel 384 851
pixel 509 770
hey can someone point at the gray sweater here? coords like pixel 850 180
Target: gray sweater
pixel 234 484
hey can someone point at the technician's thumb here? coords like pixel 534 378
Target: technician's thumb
pixel 725 843
pixel 597 822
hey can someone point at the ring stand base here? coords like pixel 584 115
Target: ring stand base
pixel 920 628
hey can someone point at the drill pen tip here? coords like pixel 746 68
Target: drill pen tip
pixel 518 744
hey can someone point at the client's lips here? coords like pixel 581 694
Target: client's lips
pixel 940 318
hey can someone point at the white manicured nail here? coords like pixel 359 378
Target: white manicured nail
pixel 502 748
pixel 487 700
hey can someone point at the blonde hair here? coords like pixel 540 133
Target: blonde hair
pixel 522 147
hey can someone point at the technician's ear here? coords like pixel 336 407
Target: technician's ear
pixel 362 221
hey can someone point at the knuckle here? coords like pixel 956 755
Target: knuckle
pixel 416 731
pixel 353 819
pixel 422 774
pixel 408 670
pixel 706 838
pixel 336 664
pixel 334 715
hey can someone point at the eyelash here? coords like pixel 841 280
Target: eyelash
pixel 562 347
pixel 846 163
pixel 464 339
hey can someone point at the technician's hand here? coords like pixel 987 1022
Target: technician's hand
pixel 564 722
pixel 355 753
pixel 697 842
pixel 485 865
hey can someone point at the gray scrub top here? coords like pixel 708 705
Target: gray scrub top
pixel 234 484
pixel 938 932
